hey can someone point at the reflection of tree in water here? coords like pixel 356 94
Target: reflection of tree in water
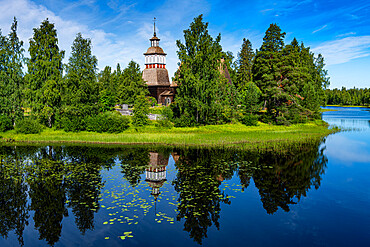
pixel 47 193
pixel 197 182
pixel 83 184
pixel 291 177
pixel 133 162
pixel 13 199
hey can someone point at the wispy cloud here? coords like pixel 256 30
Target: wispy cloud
pixel 346 34
pixel 345 49
pixel 321 28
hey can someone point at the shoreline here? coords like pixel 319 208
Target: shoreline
pixel 238 136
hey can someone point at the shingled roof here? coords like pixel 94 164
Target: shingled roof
pixel 155 50
pixel 156 77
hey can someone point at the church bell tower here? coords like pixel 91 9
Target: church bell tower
pixel 155 73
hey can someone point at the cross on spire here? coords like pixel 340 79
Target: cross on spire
pixel 154 27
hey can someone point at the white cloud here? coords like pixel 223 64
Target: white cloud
pixel 321 28
pixel 344 50
pixel 109 48
pixel 346 34
pixel 346 150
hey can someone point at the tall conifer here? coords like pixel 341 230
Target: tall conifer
pixel 44 64
pixel 81 88
pixel 245 63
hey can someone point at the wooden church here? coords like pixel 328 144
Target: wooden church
pixel 155 73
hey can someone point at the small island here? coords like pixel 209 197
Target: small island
pixel 265 98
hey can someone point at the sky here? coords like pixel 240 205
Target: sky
pixel 120 30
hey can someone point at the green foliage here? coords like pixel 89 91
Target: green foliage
pixel 80 87
pixel 292 80
pixel 250 98
pixel 166 118
pixel 202 91
pixel 28 126
pixel 249 119
pixel 141 111
pixel 11 74
pixel 5 123
pixel 344 96
pixel 245 63
pixel 130 84
pixel 111 122
pixel 44 72
pixel 106 101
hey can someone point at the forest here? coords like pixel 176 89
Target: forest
pixel 278 83
pixel 353 96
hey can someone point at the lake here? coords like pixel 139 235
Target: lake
pixel 155 196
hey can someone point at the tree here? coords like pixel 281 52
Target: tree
pixel 266 69
pixel 245 63
pixel 11 74
pixel 130 84
pixel 81 88
pixel 141 111
pixel 44 64
pixel 202 89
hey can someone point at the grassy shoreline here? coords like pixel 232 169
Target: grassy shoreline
pixel 263 136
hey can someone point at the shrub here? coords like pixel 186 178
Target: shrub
pixel 112 122
pixel 166 118
pixel 249 119
pixel 73 119
pixel 5 123
pixel 141 111
pixel 28 126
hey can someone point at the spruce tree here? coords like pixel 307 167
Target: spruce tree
pixel 44 64
pixel 80 87
pixel 11 74
pixel 141 111
pixel 245 63
pixel 131 84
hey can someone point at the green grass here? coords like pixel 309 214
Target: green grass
pixel 263 136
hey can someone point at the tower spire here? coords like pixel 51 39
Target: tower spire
pixel 154 27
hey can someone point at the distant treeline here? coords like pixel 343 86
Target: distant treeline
pixel 278 83
pixel 353 96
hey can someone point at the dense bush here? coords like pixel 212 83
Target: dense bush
pixel 249 119
pixel 28 126
pixel 112 122
pixel 73 119
pixel 5 123
pixel 166 118
pixel 141 111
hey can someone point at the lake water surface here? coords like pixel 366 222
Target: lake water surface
pixel 147 196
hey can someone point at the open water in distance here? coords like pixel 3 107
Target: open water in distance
pixel 141 196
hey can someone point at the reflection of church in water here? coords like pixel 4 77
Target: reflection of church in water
pixel 155 172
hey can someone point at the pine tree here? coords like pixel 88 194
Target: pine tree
pixel 266 69
pixel 44 64
pixel 245 63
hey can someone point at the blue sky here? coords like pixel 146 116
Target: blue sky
pixel 120 30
